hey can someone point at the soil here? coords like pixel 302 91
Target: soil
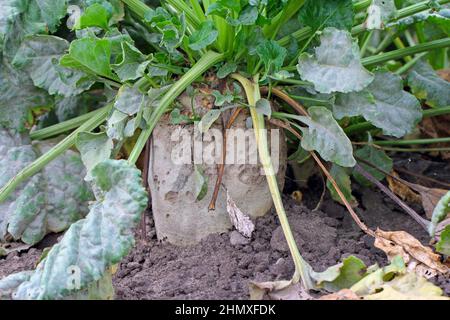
pixel 221 266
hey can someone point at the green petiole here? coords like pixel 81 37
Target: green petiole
pixel 52 154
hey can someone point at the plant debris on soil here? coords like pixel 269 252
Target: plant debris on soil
pixel 221 266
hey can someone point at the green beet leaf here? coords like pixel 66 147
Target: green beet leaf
pixel 341 276
pixel 321 14
pixel 272 55
pixel 376 157
pixel 443 246
pixel 336 65
pixel 427 85
pixel 95 15
pixel 18 96
pixel 50 201
pixel 326 137
pixel 92 245
pixel 39 56
pixel 384 103
pixel 133 63
pixel 342 178
pixel 91 55
pixel 94 149
pixel 203 37
pixel 440 212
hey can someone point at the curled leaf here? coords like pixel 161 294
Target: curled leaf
pixel 416 256
pixel 92 245
pixel 240 221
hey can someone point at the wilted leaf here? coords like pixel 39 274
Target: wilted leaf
pixel 407 287
pixel 336 65
pixel 384 103
pixel 278 290
pixel 240 220
pixel 326 137
pixel 344 294
pixel 105 236
pixel 427 85
pixel 417 257
pixel 50 201
pixel 340 276
pixel 7 248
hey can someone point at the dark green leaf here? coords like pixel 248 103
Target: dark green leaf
pixel 91 55
pixel 95 15
pixel 342 178
pixel 204 36
pixel 321 14
pixel 376 157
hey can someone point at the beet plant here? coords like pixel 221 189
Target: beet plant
pixel 345 80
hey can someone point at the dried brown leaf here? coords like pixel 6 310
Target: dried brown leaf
pixel 402 190
pixel 278 290
pixel 243 224
pixel 344 294
pixel 416 256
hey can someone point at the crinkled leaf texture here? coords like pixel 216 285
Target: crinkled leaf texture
pixel 92 245
pixel 50 201
pixel 18 96
pixel 427 85
pixel 39 56
pixel 336 65
pixel 326 137
pixel 384 103
pixel 21 18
